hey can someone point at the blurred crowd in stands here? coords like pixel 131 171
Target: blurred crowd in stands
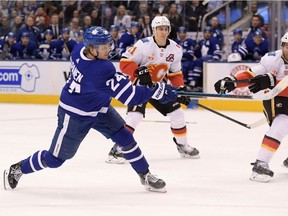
pixel 49 30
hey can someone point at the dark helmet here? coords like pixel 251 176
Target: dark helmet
pixel 258 32
pixel 182 29
pixel 80 32
pixel 134 24
pixel 25 34
pixel 10 35
pixel 65 30
pixel 97 35
pixel 207 29
pixel 48 32
pixel 237 31
pixel 114 28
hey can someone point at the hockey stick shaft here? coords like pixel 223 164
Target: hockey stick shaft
pixel 258 123
pixel 239 81
pixel 202 94
pixel 249 126
pixel 163 121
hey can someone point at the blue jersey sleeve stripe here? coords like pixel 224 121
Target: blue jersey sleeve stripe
pixel 123 90
pixel 130 97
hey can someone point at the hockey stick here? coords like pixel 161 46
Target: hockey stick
pixel 202 94
pixel 249 126
pixel 160 121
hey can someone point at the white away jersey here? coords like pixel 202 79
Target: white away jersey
pixel 160 61
pixel 270 62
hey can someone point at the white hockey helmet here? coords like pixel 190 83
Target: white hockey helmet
pixel 160 21
pixel 284 39
pixel 234 57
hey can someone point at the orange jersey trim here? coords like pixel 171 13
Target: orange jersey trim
pixel 176 79
pixel 128 67
pixel 243 76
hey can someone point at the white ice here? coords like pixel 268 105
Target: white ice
pixel 217 184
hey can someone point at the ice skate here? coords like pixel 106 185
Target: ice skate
pixel 152 183
pixel 11 176
pixel 261 172
pixel 285 162
pixel 187 151
pixel 115 156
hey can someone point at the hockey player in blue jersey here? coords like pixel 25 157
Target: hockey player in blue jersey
pixel 238 40
pixel 254 48
pixel 25 48
pixel 44 51
pixel 207 49
pixel 85 104
pixel 62 47
pixel 187 60
pixel 114 31
pixel 6 44
pixel 129 38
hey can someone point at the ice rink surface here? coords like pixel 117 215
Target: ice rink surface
pixel 217 184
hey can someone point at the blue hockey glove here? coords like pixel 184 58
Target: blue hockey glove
pixel 164 93
pixel 144 76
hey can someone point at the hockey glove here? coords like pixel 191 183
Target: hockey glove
pixel 183 99
pixel 225 85
pixel 262 82
pixel 164 93
pixel 144 76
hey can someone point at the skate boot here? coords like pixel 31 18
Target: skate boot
pixel 115 156
pixel 12 176
pixel 187 151
pixel 261 172
pixel 152 183
pixel 285 162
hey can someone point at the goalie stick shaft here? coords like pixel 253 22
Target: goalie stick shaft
pixel 249 126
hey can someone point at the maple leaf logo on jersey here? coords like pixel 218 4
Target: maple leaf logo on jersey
pixel 170 58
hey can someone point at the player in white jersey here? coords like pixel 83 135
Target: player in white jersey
pixel 85 104
pixel 271 69
pixel 150 60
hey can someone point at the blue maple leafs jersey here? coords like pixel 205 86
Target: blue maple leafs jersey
pixel 92 84
pixel 188 48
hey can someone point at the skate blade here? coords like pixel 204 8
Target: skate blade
pixel 113 160
pixel 260 178
pixel 5 180
pixel 189 156
pixel 151 189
